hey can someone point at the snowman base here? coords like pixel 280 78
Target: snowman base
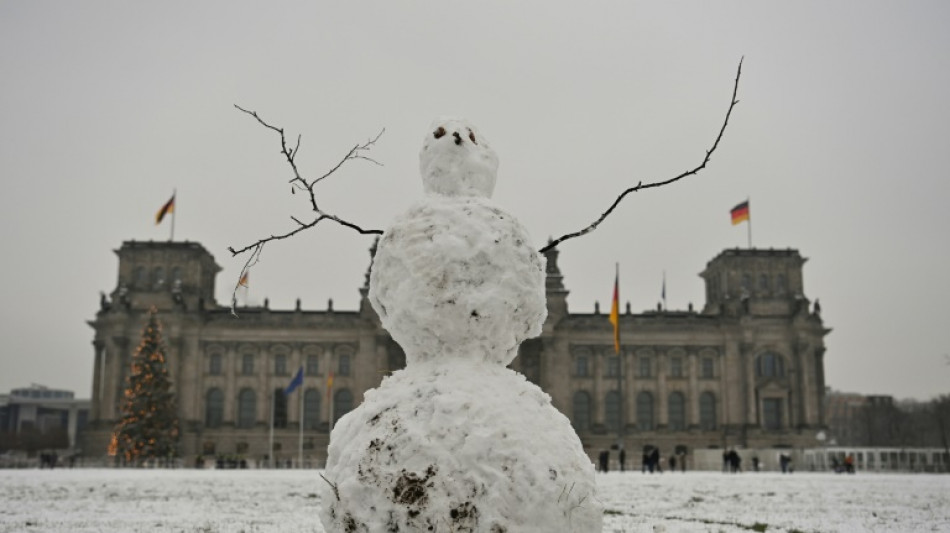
pixel 464 447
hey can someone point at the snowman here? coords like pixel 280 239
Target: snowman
pixel 456 441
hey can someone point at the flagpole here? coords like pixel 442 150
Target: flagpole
pixel 302 418
pixel 273 400
pixel 664 291
pixel 174 209
pixel 749 221
pixel 619 350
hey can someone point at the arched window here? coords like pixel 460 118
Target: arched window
pixel 780 283
pixel 214 408
pixel 763 282
pixel 280 408
pixel 707 411
pixel 214 364
pixel 247 408
pixel 344 365
pixel 645 411
pixel 581 406
pixel 676 416
pixel 311 409
pixel 342 403
pixel 770 365
pixel 158 276
pixel 138 276
pixel 612 410
pixel 176 274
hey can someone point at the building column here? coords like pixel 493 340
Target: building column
pixel 692 398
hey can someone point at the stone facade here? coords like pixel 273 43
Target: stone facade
pixel 747 370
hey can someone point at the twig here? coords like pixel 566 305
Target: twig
pixel 298 182
pixel 640 186
pixel 336 491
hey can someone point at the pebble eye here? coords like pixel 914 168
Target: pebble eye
pixel 471 135
pixel 439 132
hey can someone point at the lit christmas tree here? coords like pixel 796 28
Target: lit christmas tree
pixel 149 425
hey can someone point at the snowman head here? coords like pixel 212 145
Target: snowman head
pixel 456 160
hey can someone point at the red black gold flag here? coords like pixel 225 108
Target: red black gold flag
pixel 615 313
pixel 740 213
pixel 169 207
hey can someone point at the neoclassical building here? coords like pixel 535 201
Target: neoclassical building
pixel 747 370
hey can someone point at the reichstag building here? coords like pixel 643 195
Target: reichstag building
pixel 745 370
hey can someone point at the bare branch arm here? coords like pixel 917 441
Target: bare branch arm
pixel 358 151
pixel 640 186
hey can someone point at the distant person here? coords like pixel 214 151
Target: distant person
pixel 672 462
pixel 849 464
pixel 655 461
pixel 604 459
pixel 755 463
pixel 725 461
pixel 623 459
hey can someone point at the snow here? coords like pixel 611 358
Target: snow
pixel 457 160
pixel 456 441
pixel 262 501
pixel 472 438
pixel 458 278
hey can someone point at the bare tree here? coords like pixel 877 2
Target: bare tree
pixel 360 151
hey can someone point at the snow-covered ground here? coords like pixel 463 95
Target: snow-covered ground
pixel 91 500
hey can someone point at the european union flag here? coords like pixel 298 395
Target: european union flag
pixel 294 383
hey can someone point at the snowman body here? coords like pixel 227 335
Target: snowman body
pixel 456 441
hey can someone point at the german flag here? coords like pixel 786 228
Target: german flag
pixel 740 213
pixel 615 311
pixel 169 207
pixel 243 281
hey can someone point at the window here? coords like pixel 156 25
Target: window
pixel 581 406
pixel 780 284
pixel 247 408
pixel 763 282
pixel 280 408
pixel 772 413
pixel 746 283
pixel 342 403
pixel 247 364
pixel 676 367
pixel 176 274
pixel 214 408
pixel 707 411
pixel 311 409
pixel 770 365
pixel 158 276
pixel 613 366
pixel 708 368
pixel 138 276
pixel 612 410
pixel 645 411
pixel 645 368
pixel 280 364
pixel 676 415
pixel 214 365
pixel 344 365
pixel 313 365
pixel 241 447
pixel 581 367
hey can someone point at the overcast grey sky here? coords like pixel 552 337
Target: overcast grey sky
pixel 840 140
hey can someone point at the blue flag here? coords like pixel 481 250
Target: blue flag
pixel 294 383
